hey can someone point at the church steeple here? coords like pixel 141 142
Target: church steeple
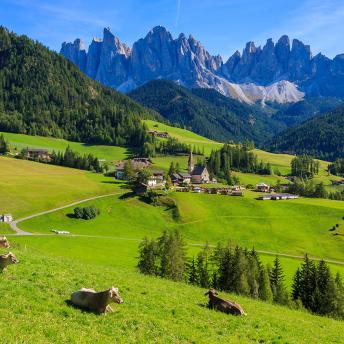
pixel 190 163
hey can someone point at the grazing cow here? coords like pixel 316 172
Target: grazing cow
pixel 7 259
pixel 226 306
pixel 98 302
pixel 4 242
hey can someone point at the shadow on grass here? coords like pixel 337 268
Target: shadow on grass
pixel 82 309
pixel 114 182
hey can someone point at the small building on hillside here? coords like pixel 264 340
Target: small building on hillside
pixel 7 218
pixel 277 197
pixel 156 179
pixel 262 187
pixel 181 178
pixel 137 165
pixel 33 153
pixel 161 134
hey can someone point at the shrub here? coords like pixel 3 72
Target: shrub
pixel 86 213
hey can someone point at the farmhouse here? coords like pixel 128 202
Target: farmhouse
pixel 32 153
pixel 156 179
pixel 181 178
pixel 137 164
pixel 161 134
pixel 277 196
pixel 6 218
pixel 262 187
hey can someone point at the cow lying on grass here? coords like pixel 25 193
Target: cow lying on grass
pixel 4 242
pixel 7 259
pixel 98 302
pixel 226 306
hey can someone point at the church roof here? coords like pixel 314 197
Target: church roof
pixel 198 170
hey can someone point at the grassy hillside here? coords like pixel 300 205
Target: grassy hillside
pixel 109 153
pixel 154 310
pixel 28 187
pixel 294 227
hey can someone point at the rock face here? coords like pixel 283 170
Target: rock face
pixel 277 72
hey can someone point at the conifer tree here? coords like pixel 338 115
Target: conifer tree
pixel 148 256
pixel 192 273
pixel 277 283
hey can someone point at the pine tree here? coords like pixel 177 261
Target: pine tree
pixel 192 274
pixel 296 287
pixel 203 267
pixel 277 283
pixel 148 256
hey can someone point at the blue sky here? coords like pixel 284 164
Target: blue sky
pixel 223 26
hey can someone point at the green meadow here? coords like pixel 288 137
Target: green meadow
pixel 102 252
pixel 293 227
pixel 34 295
pixel 28 187
pixel 109 153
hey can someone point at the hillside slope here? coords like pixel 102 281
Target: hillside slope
pixel 322 137
pixel 42 93
pixel 34 295
pixel 206 112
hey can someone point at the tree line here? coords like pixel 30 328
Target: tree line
pixel 337 168
pixel 69 158
pixel 238 270
pixel 304 166
pixel 235 158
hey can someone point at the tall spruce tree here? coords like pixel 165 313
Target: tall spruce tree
pixel 279 292
pixel 148 257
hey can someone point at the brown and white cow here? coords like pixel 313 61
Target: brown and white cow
pixel 98 302
pixel 7 259
pixel 226 306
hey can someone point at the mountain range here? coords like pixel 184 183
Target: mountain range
pixel 279 72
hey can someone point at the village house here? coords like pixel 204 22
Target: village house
pixel 161 134
pixel 262 187
pixel 277 196
pixel 180 178
pixel 33 153
pixel 156 179
pixel 7 218
pixel 137 164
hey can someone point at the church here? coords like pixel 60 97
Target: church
pixel 199 174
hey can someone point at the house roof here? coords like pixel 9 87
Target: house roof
pixel 262 184
pixel 184 175
pixel 198 170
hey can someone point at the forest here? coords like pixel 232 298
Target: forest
pixel 41 93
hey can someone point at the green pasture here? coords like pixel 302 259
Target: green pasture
pixel 109 153
pixel 34 296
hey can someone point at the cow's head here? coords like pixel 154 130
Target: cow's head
pixel 4 242
pixel 13 258
pixel 114 295
pixel 211 292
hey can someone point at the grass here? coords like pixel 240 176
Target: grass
pixel 154 310
pixel 28 187
pixel 294 227
pixel 108 153
pixel 5 228
pixel 186 136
